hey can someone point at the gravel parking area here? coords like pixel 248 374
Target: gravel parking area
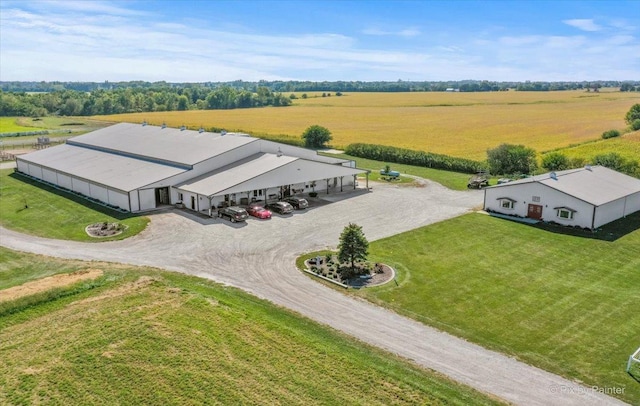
pixel 258 256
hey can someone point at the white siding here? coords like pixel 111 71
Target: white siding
pixel 147 199
pixel 49 176
pixel 119 199
pixel 135 202
pixel 80 186
pixel 35 171
pixel 64 181
pixel 99 192
pixel 549 199
pixel 617 209
pixel 22 166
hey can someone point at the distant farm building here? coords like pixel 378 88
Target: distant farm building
pixel 587 197
pixel 137 167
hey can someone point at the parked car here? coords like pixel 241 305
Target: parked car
pixel 298 203
pixel 233 213
pixel 504 180
pixel 280 207
pixel 258 211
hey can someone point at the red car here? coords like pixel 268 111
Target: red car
pixel 259 212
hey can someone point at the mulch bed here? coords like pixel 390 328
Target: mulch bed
pixel 378 275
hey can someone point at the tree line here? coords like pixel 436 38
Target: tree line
pixel 279 86
pixel 135 100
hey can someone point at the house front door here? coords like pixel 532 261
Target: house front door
pixel 534 211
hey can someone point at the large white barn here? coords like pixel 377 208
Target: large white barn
pixel 139 167
pixel 587 197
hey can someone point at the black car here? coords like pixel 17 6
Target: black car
pixel 233 213
pixel 280 207
pixel 298 203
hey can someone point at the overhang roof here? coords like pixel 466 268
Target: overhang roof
pixel 112 170
pixel 170 145
pixel 596 185
pixel 262 171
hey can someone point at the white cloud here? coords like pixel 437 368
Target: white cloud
pixel 407 32
pixel 583 24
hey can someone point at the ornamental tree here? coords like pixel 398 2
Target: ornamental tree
pixel 353 245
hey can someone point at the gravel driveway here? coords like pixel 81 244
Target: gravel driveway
pixel 259 257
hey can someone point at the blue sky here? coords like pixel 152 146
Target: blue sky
pixel 198 41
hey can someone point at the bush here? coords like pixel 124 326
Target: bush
pixel 512 159
pixel 415 158
pixel 635 125
pixel 610 134
pixel 555 161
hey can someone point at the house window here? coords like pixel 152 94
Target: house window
pixel 535 199
pixel 565 213
pixel 506 204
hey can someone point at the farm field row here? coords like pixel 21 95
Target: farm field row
pixel 564 303
pixel 165 338
pixel 627 145
pixel 457 124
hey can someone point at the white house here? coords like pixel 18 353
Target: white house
pixel 587 197
pixel 138 167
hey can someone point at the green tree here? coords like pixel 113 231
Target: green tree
pixel 183 102
pixel 316 136
pixel 633 114
pixel 512 159
pixel 555 161
pixel 353 245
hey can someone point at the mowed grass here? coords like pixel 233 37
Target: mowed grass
pixel 627 145
pixel 452 180
pixel 55 214
pixel 564 303
pixel 12 125
pixel 457 124
pixel 139 336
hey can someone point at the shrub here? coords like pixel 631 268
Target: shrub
pixel 635 125
pixel 413 157
pixel 555 161
pixel 610 134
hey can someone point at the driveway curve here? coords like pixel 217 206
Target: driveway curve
pixel 259 257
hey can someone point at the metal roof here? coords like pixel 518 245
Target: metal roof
pixel 596 185
pixel 116 171
pixel 262 171
pixel 170 145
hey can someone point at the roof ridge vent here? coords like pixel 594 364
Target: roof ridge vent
pixel 182 128
pixel 144 123
pixel 587 167
pixel 164 125
pixel 279 152
pixel 201 130
pixel 553 175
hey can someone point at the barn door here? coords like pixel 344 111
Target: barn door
pixel 534 211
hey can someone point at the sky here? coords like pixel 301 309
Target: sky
pixel 219 41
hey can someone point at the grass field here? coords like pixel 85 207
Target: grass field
pixel 566 304
pixel 11 125
pixel 457 124
pixel 139 336
pixel 55 214
pixel 452 180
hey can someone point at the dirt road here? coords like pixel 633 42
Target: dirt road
pixel 259 257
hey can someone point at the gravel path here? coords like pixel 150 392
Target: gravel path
pixel 259 257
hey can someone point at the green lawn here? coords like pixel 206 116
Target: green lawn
pixel 53 213
pixel 11 125
pixel 140 336
pixel 564 303
pixel 452 180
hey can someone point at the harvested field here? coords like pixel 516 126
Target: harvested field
pixel 457 124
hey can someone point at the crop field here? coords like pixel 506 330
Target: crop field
pixel 140 336
pixel 627 145
pixel 567 304
pixel 457 124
